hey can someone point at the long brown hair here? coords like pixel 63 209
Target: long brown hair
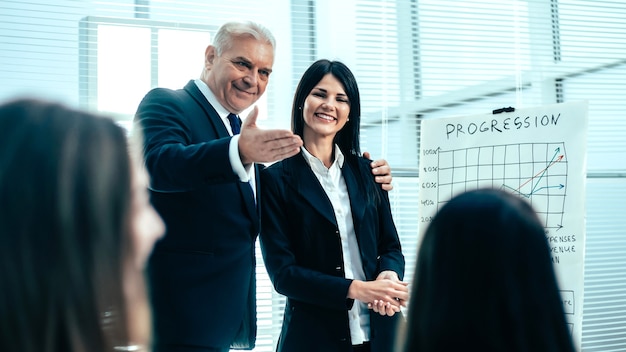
pixel 485 281
pixel 65 242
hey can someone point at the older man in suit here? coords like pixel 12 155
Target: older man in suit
pixel 205 186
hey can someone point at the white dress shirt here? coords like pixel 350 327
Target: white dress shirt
pixel 335 187
pixel 245 173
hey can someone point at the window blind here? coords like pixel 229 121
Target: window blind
pixel 413 59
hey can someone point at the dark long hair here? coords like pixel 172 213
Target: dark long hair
pixel 485 281
pixel 348 138
pixel 65 191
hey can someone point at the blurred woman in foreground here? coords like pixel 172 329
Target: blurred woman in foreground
pixel 485 281
pixel 76 226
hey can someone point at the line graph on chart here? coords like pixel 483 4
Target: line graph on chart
pixel 542 162
pixel 536 171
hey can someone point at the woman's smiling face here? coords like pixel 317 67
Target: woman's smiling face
pixel 326 108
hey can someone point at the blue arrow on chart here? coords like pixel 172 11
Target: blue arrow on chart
pixel 555 159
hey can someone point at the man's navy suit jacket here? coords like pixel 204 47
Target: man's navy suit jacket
pixel 201 274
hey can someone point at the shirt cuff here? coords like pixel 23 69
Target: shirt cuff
pixel 235 160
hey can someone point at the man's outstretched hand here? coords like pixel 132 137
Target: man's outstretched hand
pixel 265 146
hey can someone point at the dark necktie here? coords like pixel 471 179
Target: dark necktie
pixel 235 123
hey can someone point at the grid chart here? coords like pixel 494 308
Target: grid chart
pixel 536 171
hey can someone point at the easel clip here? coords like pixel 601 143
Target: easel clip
pixel 509 109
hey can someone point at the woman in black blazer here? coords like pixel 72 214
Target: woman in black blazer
pixel 328 238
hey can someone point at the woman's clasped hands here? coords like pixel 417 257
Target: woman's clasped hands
pixel 385 295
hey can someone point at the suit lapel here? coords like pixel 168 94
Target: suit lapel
pixel 301 178
pixel 357 196
pixel 220 130
pixel 212 115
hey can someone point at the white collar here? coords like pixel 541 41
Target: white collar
pixel 210 97
pixel 313 161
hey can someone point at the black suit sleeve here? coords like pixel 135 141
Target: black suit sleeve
pixel 389 248
pixel 182 152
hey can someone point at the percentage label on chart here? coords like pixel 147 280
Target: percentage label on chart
pixel 428 202
pixel 426 219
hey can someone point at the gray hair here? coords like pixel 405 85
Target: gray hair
pixel 230 30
